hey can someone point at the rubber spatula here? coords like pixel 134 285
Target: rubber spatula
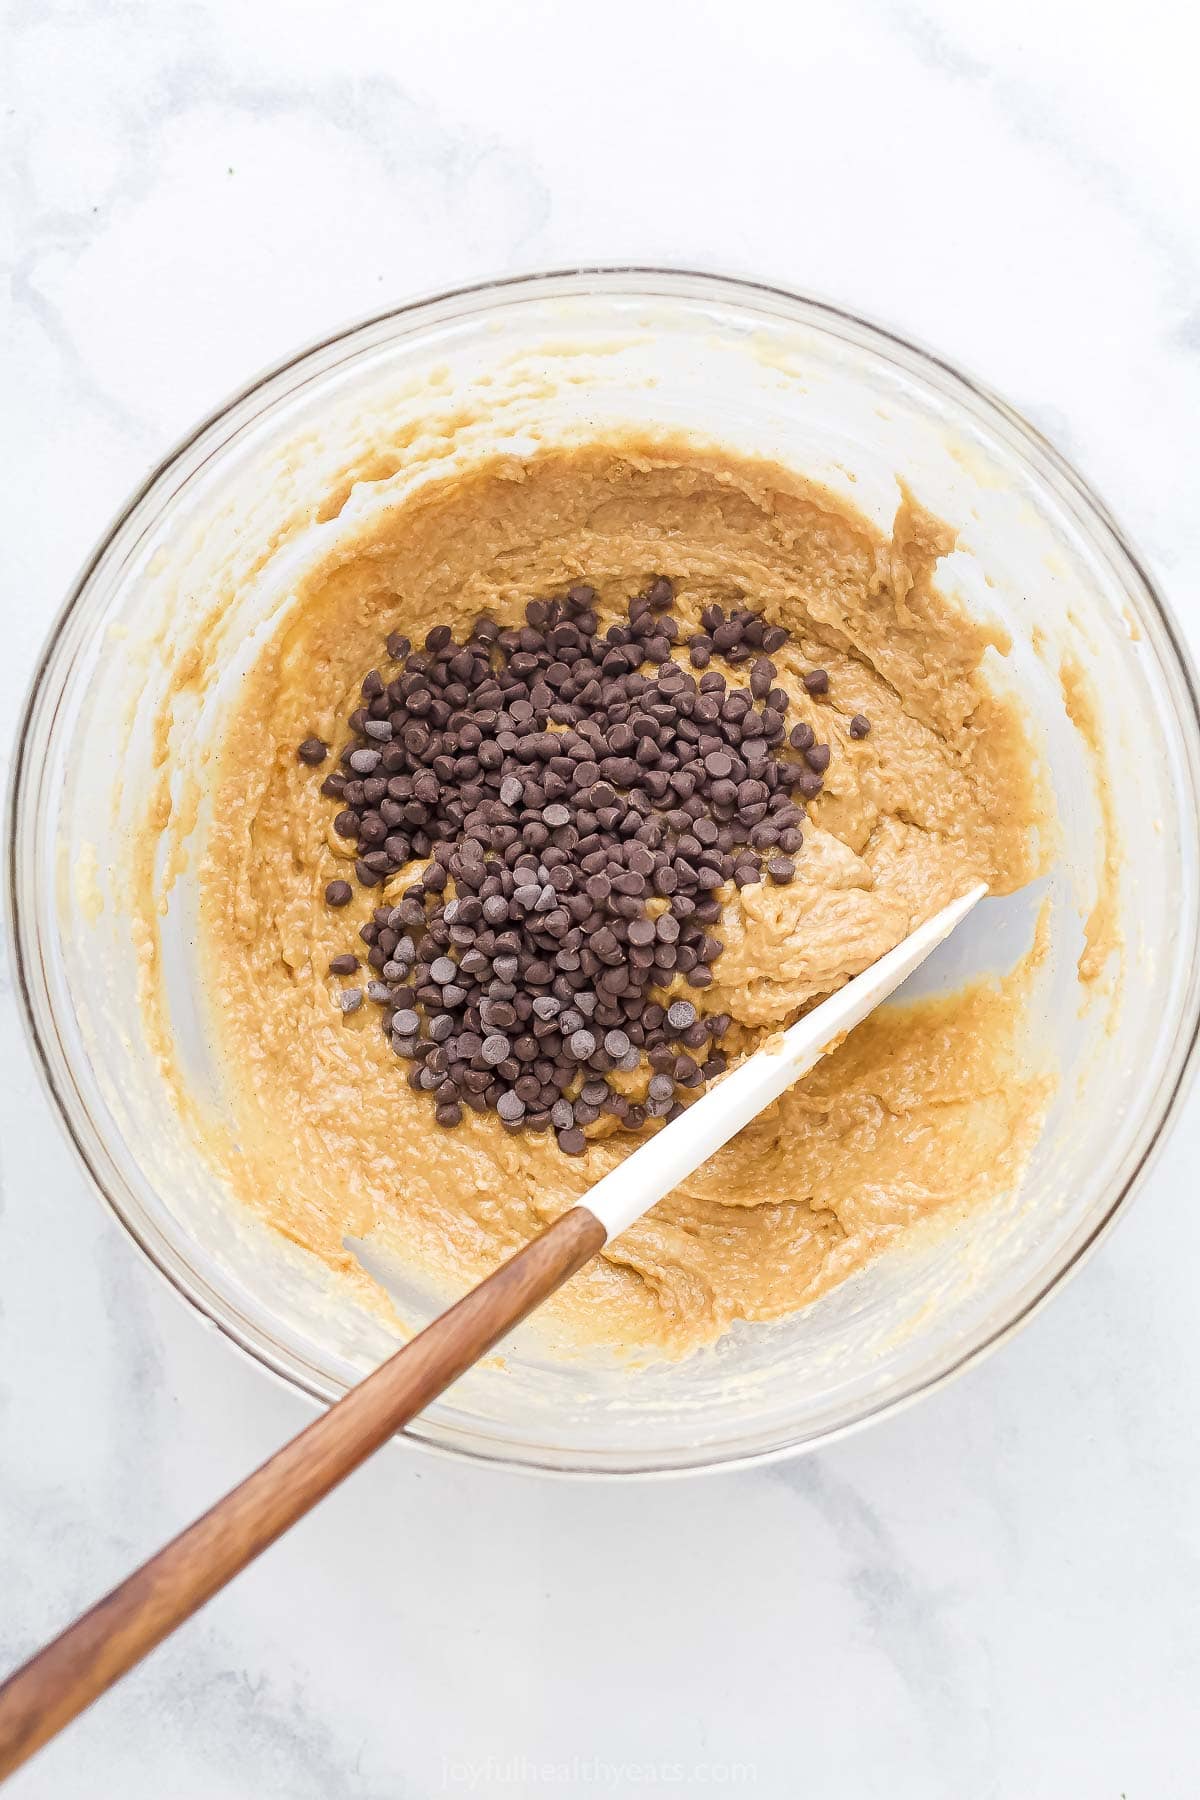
pixel 72 1671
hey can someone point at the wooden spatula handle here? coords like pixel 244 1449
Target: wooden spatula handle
pixel 72 1671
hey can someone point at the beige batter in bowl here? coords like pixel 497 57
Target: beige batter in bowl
pixel 510 370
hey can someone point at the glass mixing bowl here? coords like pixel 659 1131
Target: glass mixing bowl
pixel 589 352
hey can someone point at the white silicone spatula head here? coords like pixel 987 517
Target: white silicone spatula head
pixel 673 1153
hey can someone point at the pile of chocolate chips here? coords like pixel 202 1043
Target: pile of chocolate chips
pixel 583 796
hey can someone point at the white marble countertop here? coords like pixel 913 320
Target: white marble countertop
pixel 996 1594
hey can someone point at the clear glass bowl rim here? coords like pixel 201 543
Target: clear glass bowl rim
pixel 27 934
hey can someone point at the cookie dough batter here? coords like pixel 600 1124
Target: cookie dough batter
pixel 920 1107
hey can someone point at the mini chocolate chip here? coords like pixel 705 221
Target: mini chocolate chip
pixel 817 681
pixel 860 725
pixel 817 758
pixel 313 751
pixel 762 677
pixel 345 964
pixel 681 1014
pixel 338 893
pixel 572 1141
pixel 350 999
